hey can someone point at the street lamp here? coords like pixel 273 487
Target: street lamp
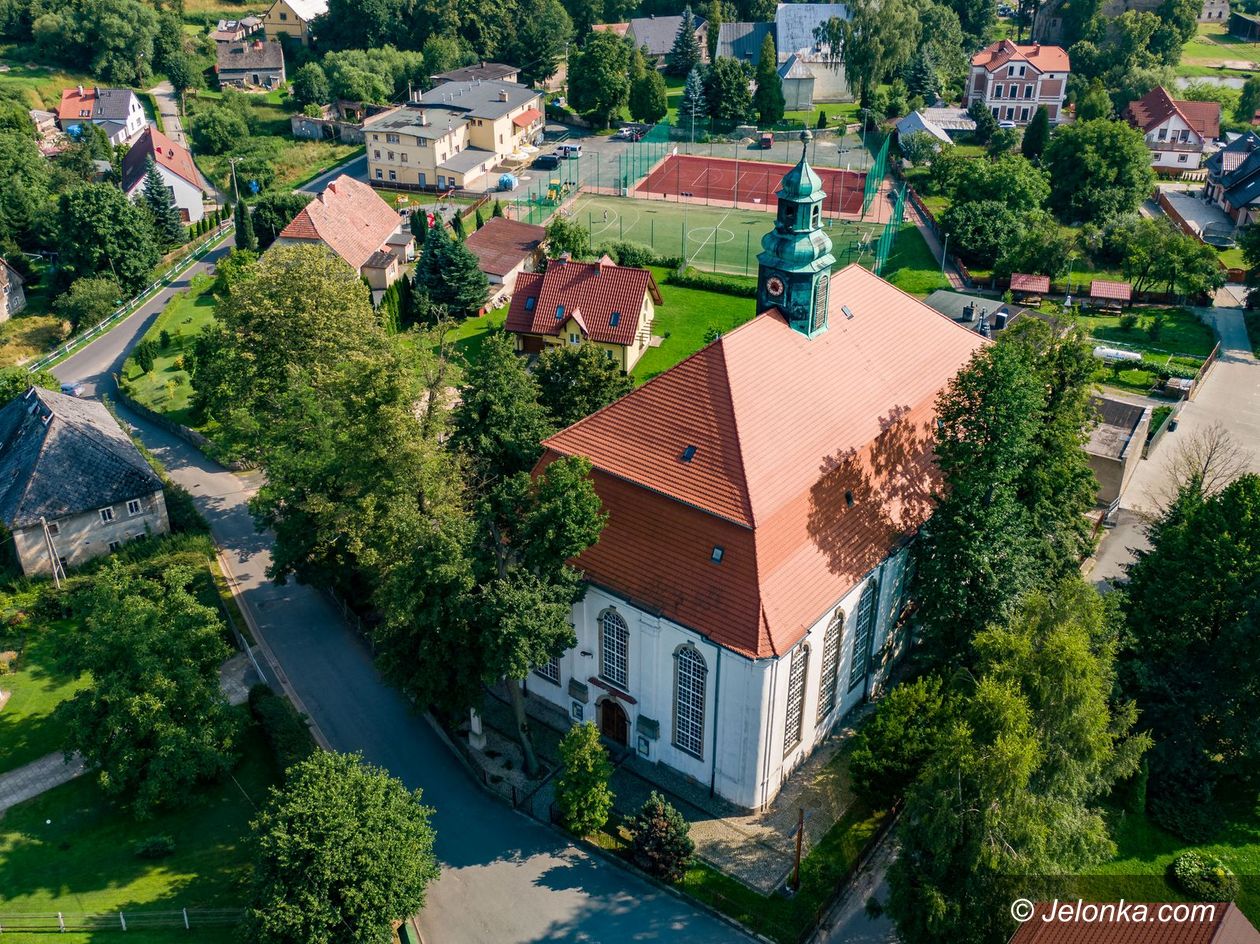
pixel 943 253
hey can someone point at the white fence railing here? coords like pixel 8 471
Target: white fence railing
pixel 163 281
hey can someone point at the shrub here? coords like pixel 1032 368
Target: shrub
pixel 164 339
pixel 690 278
pixel 287 733
pixel 155 847
pixel 638 256
pixel 144 354
pixel 1203 878
pixel 1195 822
pixel 1128 321
pixel 1155 327
pixel 660 843
pixel 582 788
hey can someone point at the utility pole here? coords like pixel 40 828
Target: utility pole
pixel 800 835
pixel 236 193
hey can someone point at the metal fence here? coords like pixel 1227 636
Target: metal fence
pixel 138 920
pixel 163 281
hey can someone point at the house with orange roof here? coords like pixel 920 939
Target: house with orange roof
pixel 1014 79
pixel 602 303
pixel 117 112
pixel 1176 132
pixel 352 221
pixel 175 164
pixel 748 588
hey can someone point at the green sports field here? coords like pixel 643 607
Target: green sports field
pixel 710 238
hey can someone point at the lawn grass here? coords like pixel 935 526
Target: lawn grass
pixel 1212 44
pixel 683 318
pixel 201 12
pixel 776 917
pixel 28 730
pixel 910 265
pixel 1144 851
pixel 1182 332
pixel 27 336
pixel 469 336
pixel 40 86
pixel 295 162
pixel 167 388
pixel 73 850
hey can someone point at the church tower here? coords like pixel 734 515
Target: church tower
pixel 794 265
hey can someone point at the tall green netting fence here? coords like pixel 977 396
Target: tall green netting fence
pixel 639 157
pixel 875 175
pixel 889 235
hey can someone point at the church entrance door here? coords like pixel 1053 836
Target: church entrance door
pixel 613 723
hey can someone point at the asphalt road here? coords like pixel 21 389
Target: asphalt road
pixel 356 167
pixel 505 878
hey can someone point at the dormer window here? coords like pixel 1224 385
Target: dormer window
pixel 717 554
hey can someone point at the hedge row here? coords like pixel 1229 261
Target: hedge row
pixel 637 256
pixel 703 281
pixel 287 733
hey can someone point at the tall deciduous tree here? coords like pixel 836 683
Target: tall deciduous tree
pixel 1248 101
pixel 726 90
pixel 576 380
pixel 649 100
pixel 153 719
pixel 877 38
pixel 1011 793
pixel 104 233
pixel 582 788
pixel 768 99
pixel 541 33
pixel 1097 169
pixel 685 54
pixel 599 77
pixel 89 301
pixel 343 851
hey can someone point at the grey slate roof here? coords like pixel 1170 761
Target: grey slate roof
pixel 112 105
pixel 658 32
pixel 478 99
pixel 467 159
pixel 1236 167
pixel 486 71
pixel 795 23
pixel 1117 422
pixel 60 456
pixel 743 40
pixel 250 54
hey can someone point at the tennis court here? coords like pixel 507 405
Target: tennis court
pixel 713 239
pixel 722 180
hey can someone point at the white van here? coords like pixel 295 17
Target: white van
pixel 569 150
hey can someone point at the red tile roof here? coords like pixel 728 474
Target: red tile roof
pixel 1030 283
pixel 1042 58
pixel 783 427
pixel 76 103
pixel 349 218
pixel 1157 106
pixel 527 117
pixel 593 290
pixel 1227 925
pixel 174 157
pixel 1101 288
pixel 502 244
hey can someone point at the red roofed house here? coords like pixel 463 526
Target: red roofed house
pixel 1176 131
pixel 116 111
pixel 601 302
pixel 761 495
pixel 1014 79
pixel 357 225
pixel 176 166
pixel 504 249
pixel 1132 922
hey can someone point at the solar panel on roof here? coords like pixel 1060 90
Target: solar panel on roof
pixel 848 312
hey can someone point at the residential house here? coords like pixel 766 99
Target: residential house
pixel 483 72
pixel 452 135
pixel 504 249
pixel 359 227
pixel 1115 445
pixel 608 305
pixel 176 167
pixel 809 72
pixel 985 316
pixel 1176 132
pixel 1131 922
pixel 73 486
pixel 117 112
pixel 747 590
pixel 293 18
pixel 12 297
pixel 341 120
pixel 617 29
pixel 656 34
pixel 1013 80
pixel 254 63
pixel 1233 181
pixel 941 124
pixel 1214 11
pixel 234 31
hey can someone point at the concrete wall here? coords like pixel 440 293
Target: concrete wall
pixel 81 537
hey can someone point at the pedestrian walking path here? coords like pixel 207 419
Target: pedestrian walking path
pixel 934 246
pixel 36 777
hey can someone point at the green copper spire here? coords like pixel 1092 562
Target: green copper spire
pixel 794 265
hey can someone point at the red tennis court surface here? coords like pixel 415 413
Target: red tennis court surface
pixel 719 179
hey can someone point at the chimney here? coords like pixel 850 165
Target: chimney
pixel 503 95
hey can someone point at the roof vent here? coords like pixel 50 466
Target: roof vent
pixel 848 312
pixel 688 454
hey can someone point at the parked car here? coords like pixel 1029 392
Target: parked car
pixel 72 389
pixel 766 141
pixel 567 150
pixel 1006 124
pixel 546 162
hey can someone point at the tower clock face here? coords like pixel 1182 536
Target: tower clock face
pixel 774 285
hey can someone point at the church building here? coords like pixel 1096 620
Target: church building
pixel 761 496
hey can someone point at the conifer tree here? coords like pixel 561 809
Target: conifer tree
pixel 498 209
pixel 166 222
pixel 245 238
pixel 685 55
pixel 693 109
pixel 457 225
pixel 1037 134
pixel 768 99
